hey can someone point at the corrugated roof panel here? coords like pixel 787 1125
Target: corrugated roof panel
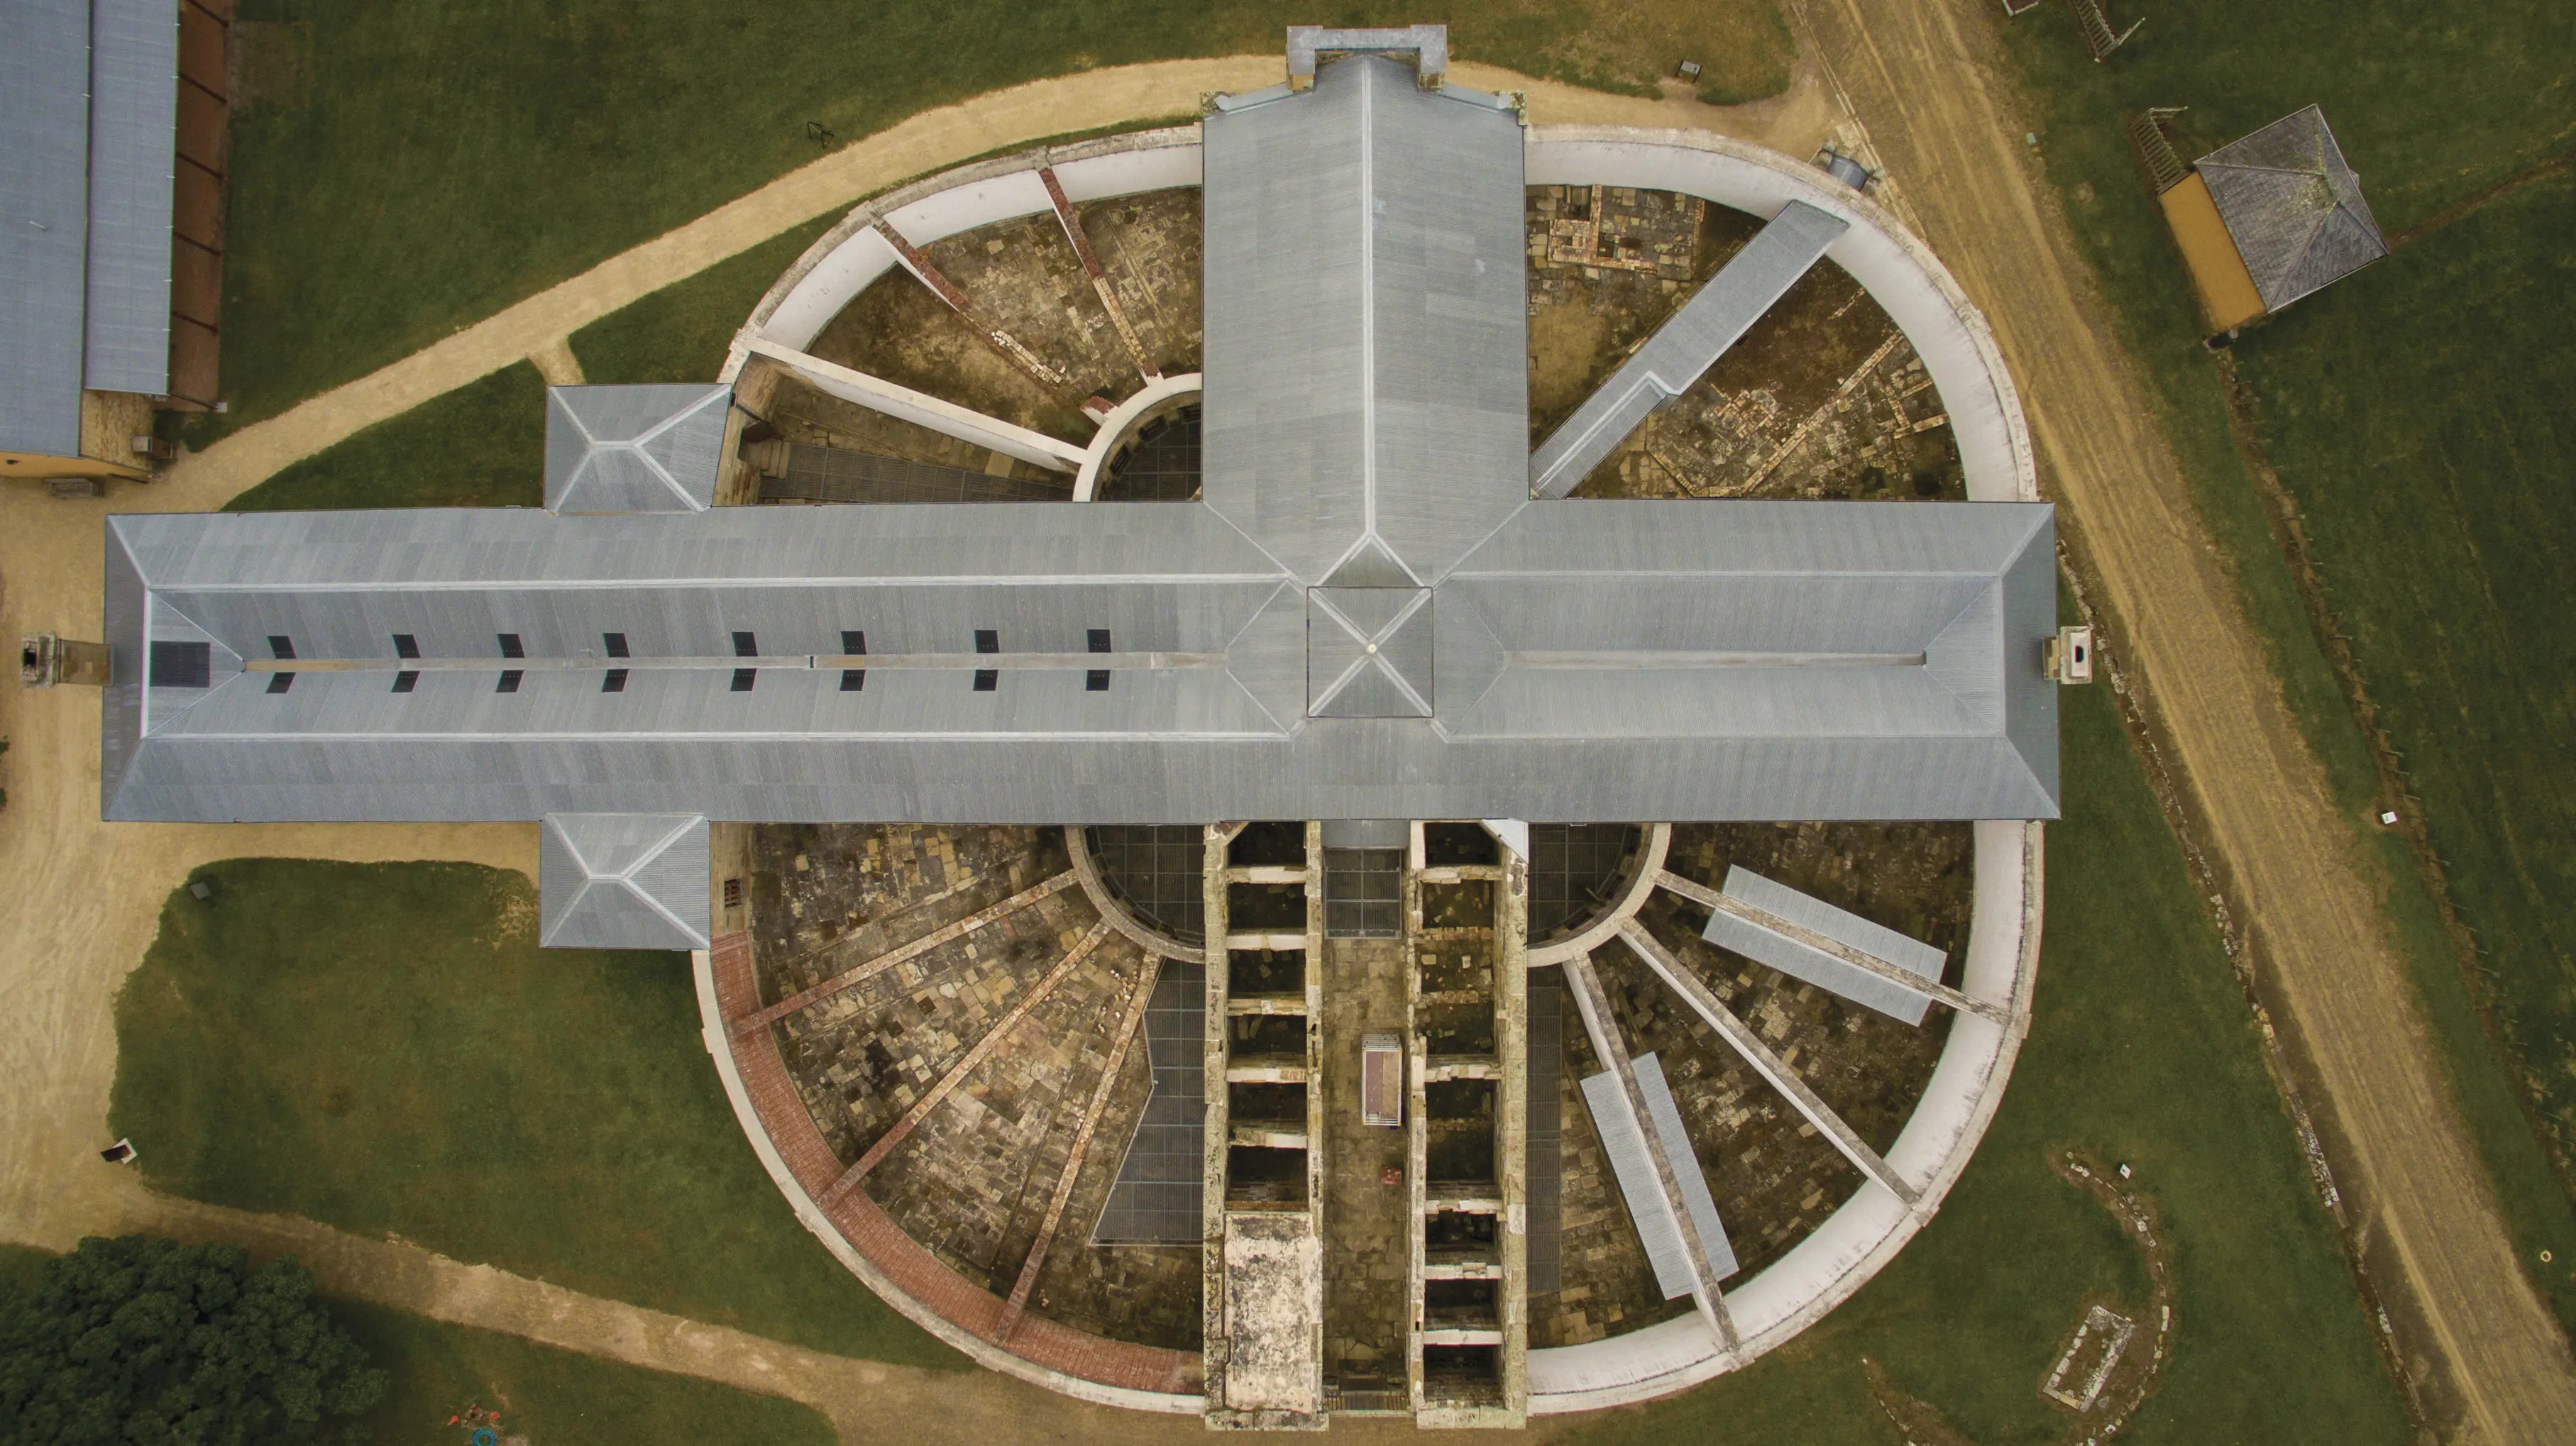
pixel 1684 1157
pixel 133 145
pixel 1815 966
pixel 44 224
pixel 1363 272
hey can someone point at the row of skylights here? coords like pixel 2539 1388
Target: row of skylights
pixel 854 643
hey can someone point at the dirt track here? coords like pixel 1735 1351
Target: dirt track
pixel 1923 74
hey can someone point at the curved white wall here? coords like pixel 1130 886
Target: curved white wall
pixel 1958 350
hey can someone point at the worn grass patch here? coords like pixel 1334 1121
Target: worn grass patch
pixel 400 170
pixel 2382 393
pixel 2141 1051
pixel 384 1048
pixel 552 1396
pixel 481 445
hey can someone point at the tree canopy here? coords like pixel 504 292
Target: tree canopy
pixel 141 1340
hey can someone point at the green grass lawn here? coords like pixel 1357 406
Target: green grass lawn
pixel 401 170
pixel 2411 409
pixel 481 445
pixel 2141 1051
pixel 384 1048
pixel 2434 476
pixel 553 1397
pixel 679 333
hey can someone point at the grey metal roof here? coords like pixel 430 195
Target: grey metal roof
pixel 623 881
pixel 2292 206
pixel 1628 659
pixel 44 223
pixel 1366 411
pixel 634 448
pixel 1366 486
pixel 1804 961
pixel 1648 1209
pixel 133 131
pixel 1685 346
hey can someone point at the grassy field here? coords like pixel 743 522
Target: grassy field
pixel 2435 483
pixel 2141 1051
pixel 554 1397
pixel 482 445
pixel 679 333
pixel 398 171
pixel 385 1049
pixel 2410 410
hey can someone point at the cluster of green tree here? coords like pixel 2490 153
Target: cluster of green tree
pixel 144 1340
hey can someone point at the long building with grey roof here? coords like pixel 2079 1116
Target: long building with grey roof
pixel 1368 615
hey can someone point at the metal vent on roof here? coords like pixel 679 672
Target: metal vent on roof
pixel 854 642
pixel 1096 681
pixel 988 640
pixel 987 680
pixel 280 682
pixel 746 645
pixel 743 678
pixel 510 647
pixel 406 646
pixel 406 680
pixel 854 679
pixel 615 643
pixel 615 682
pixel 1099 640
pixel 509 681
pixel 281 647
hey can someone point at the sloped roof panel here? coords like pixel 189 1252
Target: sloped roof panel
pixel 2292 206
pixel 133 146
pixel 44 187
pixel 623 881
pixel 634 448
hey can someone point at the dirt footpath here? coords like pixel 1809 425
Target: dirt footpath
pixel 1925 78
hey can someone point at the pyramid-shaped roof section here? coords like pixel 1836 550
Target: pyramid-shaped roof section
pixel 2293 207
pixel 623 881
pixel 634 449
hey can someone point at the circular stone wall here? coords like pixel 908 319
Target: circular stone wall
pixel 1624 877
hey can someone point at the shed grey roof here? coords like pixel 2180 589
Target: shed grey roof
pixel 88 116
pixel 1685 346
pixel 1569 661
pixel 1648 1208
pixel 634 448
pixel 623 881
pixel 1801 960
pixel 44 223
pixel 2292 206
pixel 133 130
